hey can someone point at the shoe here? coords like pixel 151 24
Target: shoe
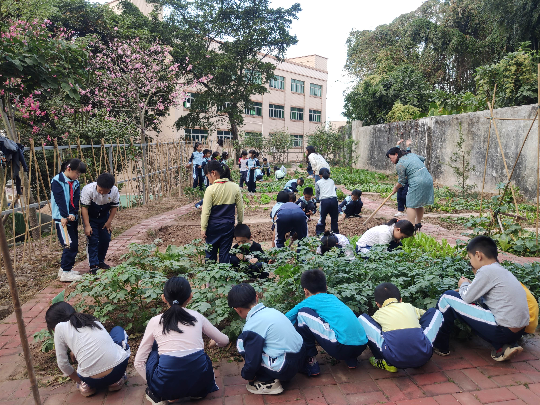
pixel 93 269
pixel 441 352
pixel 399 214
pixel 417 227
pixel 506 352
pixel 382 364
pixel 70 276
pixel 60 272
pixel 153 399
pixel 104 266
pixel 311 367
pixel 265 388
pixel 352 363
pixel 85 389
pixel 117 386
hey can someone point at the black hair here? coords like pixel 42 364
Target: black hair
pixel 308 191
pixel 244 153
pixel 196 145
pixel 226 171
pixel 406 227
pixel 215 155
pixel 265 159
pixel 252 151
pixel 395 150
pixel 282 197
pixel 310 149
pixel 292 197
pixel 220 142
pixel 242 231
pixel 314 281
pixel 73 164
pixel 328 241
pixel 300 179
pixel 276 168
pixel 105 180
pixel 205 151
pixel 214 165
pixel 63 312
pixel 356 192
pixel 324 173
pixel 225 155
pixel 176 291
pixel 483 244
pixel 242 296
pixel 386 290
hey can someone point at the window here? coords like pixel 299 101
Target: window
pixel 190 97
pixel 314 116
pixel 224 135
pixel 256 109
pixel 196 135
pixel 297 114
pixel 224 106
pixel 252 76
pixel 278 82
pixel 297 141
pixel 277 111
pixel 315 90
pixel 297 86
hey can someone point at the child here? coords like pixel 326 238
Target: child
pixel 243 168
pixel 196 161
pixel 331 240
pixel 266 167
pixel 322 318
pixel 281 198
pixel 503 313
pixel 307 202
pixel 258 172
pixel 292 185
pixel 352 205
pixel 279 174
pixel 65 195
pixel 289 218
pixel 226 175
pixel 102 357
pixel 272 348
pixel 224 157
pixel 325 192
pixel 389 234
pixel 252 165
pixel 207 156
pixel 292 197
pixel 171 356
pixel 215 156
pixel 251 252
pixel 400 335
pixel 100 201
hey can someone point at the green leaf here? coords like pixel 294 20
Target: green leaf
pixel 59 298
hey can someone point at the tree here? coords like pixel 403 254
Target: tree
pixel 334 144
pixel 400 112
pixel 278 144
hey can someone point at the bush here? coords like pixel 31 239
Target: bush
pixel 400 112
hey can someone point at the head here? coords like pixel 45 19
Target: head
pixel 402 229
pixel 324 173
pixel 482 251
pixel 244 154
pixel 300 181
pixel 176 294
pixel 226 172
pixel 242 298
pixel 215 155
pixel 64 312
pixel 197 147
pixel 313 282
pixel 310 149
pixel 73 168
pixel 225 155
pixel 308 193
pixel 105 182
pixel 355 195
pixel 282 197
pixel 220 142
pixel 276 168
pixel 328 241
pixel 292 197
pixel 252 153
pixel 242 234
pixel 265 160
pixel 394 154
pixel 213 170
pixel 385 291
pixel 207 153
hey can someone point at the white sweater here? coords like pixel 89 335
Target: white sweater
pixel 378 235
pixel 317 163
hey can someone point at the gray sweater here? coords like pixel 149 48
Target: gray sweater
pixel 501 292
pixel 325 188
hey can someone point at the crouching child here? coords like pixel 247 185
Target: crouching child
pixel 251 252
pixel 352 205
pixel 307 202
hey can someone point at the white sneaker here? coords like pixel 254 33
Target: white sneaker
pixel 70 276
pixel 506 352
pixel 60 272
pixel 265 388
pixel 399 214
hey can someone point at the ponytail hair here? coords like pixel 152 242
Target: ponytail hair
pixel 196 145
pixel 64 312
pixel 324 173
pixel 328 241
pixel 176 291
pixel 406 227
pixel 73 164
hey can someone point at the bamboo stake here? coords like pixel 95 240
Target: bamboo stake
pixel 380 206
pixel 538 161
pixel 49 179
pixel 485 170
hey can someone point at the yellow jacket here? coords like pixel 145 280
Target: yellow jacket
pixel 394 315
pixel 533 311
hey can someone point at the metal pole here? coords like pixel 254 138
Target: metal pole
pixel 111 165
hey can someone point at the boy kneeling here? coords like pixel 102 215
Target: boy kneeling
pixel 400 335
pixel 322 318
pixel 271 347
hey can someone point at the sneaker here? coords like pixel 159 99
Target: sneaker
pixel 382 364
pixel 70 276
pixel 399 214
pixel 442 353
pixel 417 227
pixel 60 272
pixel 506 352
pixel 352 363
pixel 93 269
pixel 265 388
pixel 311 367
pixel 117 386
pixel 85 389
pixel 150 396
pixel 104 266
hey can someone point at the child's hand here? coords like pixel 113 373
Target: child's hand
pixel 398 142
pixel 212 343
pixel 408 143
pixel 72 357
pixel 64 221
pixel 71 217
pixel 88 230
pixel 463 280
pixel 107 226
pixel 253 260
pixel 240 256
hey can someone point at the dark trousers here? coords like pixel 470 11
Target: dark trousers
pixel 243 178
pixel 97 243
pixel 480 319
pixel 328 206
pixel 220 236
pixel 198 181
pixel 69 254
pixel 252 182
pixel 291 365
pixel 290 222
pixel 402 198
pixel 266 172
pixel 314 330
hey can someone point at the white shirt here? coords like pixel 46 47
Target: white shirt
pixel 325 188
pixel 90 195
pixel 317 163
pixel 343 243
pixel 378 235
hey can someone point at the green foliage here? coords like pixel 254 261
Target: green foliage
pixel 340 195
pixel 278 144
pixel 400 112
pixel 460 163
pixel 421 244
pixel 46 339
pixel 335 145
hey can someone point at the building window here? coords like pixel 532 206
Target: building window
pixel 315 90
pixel 224 135
pixel 297 86
pixel 297 141
pixel 314 116
pixel 277 111
pixel 224 106
pixel 253 76
pixel 190 97
pixel 297 114
pixel 256 109
pixel 278 82
pixel 196 135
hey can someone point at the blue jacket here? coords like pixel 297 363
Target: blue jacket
pixel 350 207
pixel 196 158
pixel 60 197
pixel 342 322
pixel 310 205
pixel 266 339
pixel 291 185
pixel 253 163
pixel 275 209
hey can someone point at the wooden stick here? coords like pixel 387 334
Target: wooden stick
pixel 509 119
pixel 485 169
pixel 380 206
pixel 66 236
pixel 506 214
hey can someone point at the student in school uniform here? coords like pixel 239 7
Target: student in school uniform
pixel 352 205
pixel 307 202
pixel 389 234
pixel 252 166
pixel 293 184
pixel 196 161
pixel 325 192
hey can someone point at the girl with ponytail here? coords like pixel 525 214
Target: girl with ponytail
pixel 102 357
pixel 171 356
pixel 325 193
pixel 331 240
pixel 389 234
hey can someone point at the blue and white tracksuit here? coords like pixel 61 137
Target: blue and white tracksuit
pixel 350 207
pixel 198 176
pixel 271 346
pixel 252 165
pixel 291 186
pixel 325 193
pixel 204 163
pixel 401 334
pixel 324 319
pixel 290 218
pixel 307 206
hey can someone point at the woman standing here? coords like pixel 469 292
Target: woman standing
pixel 316 161
pixel 412 171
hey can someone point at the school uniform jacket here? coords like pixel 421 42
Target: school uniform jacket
pixel 99 205
pixel 291 185
pixel 310 205
pixel 220 200
pixel 60 197
pixel 348 205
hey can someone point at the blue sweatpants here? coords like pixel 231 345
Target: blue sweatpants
pixel 314 330
pixel 198 177
pixel 290 221
pixel 328 206
pixel 290 367
pixel 402 198
pixel 243 179
pixel 68 254
pixel 252 181
pixel 480 319
pixel 220 236
pixel 97 243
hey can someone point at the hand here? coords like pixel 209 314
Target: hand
pixel 253 260
pixel 408 143
pixel 463 280
pixel 240 256
pixel 203 234
pixel 88 230
pixel 396 188
pixel 71 217
pixel 212 343
pixel 398 142
pixel 107 226
pixel 72 357
pixel 64 221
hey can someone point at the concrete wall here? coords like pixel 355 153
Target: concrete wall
pixel 436 137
